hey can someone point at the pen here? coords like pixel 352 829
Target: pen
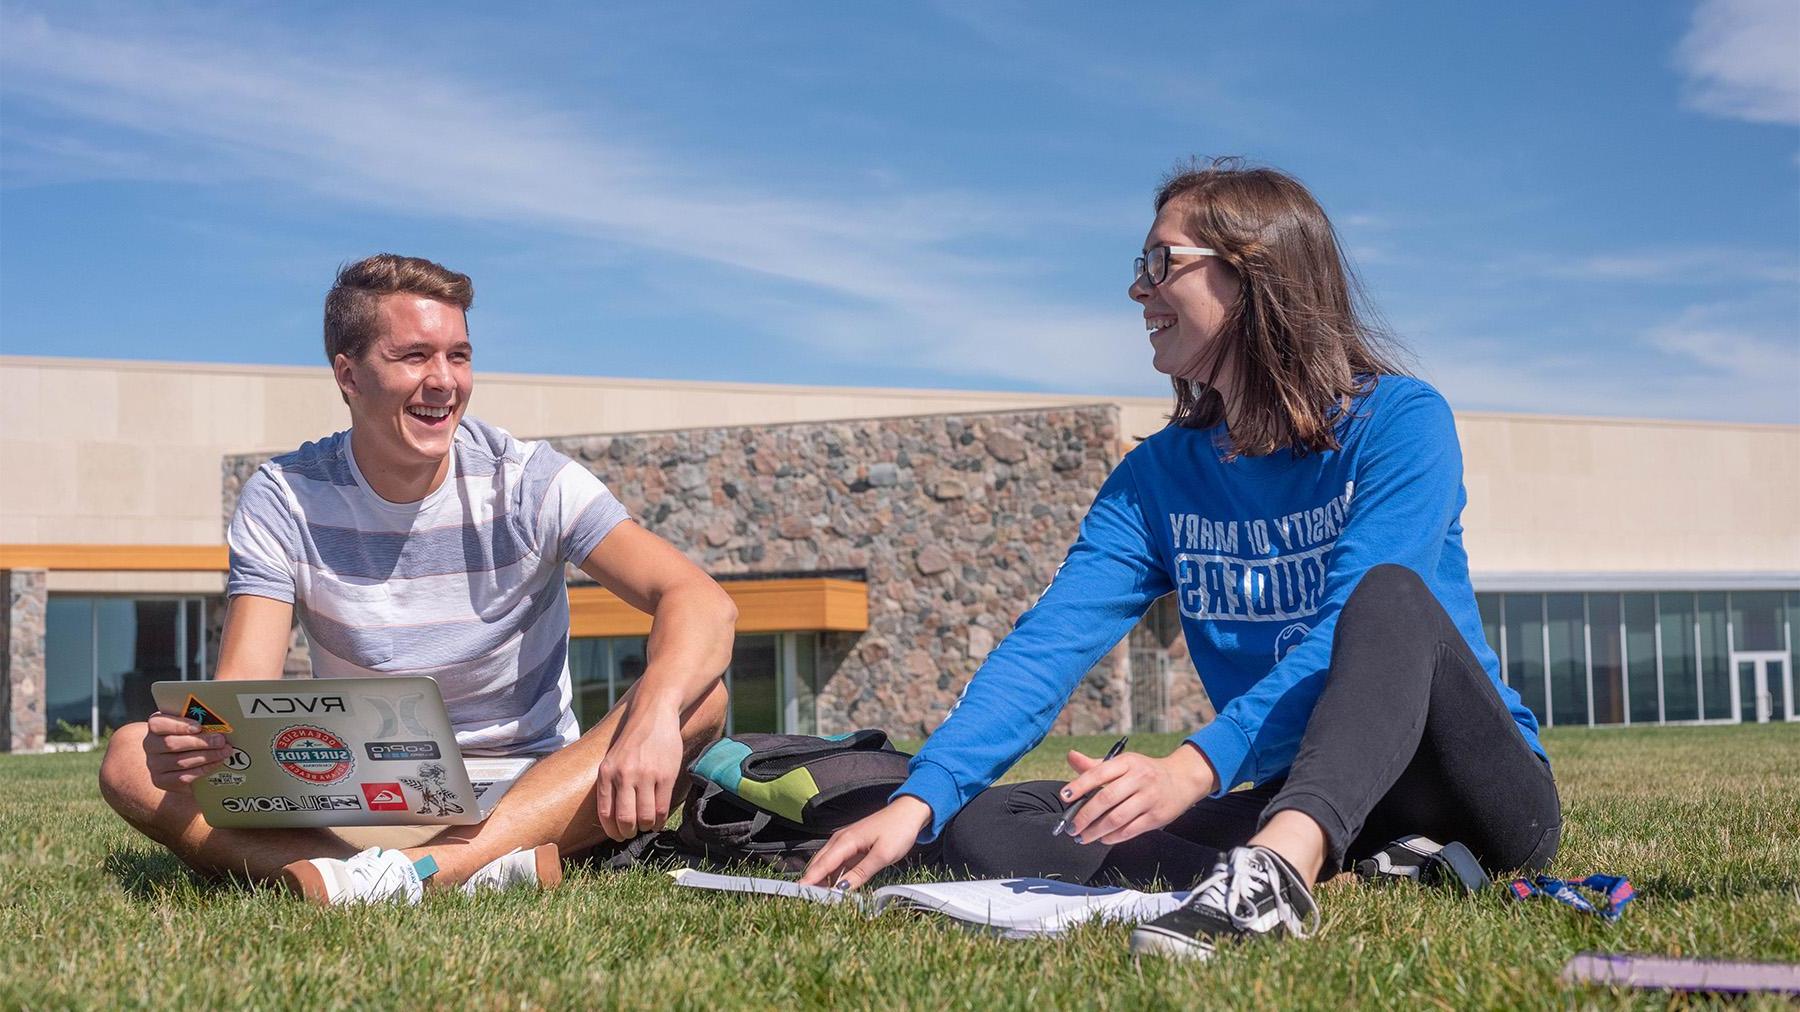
pixel 1111 753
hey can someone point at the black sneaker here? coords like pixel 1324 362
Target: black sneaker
pixel 1251 892
pixel 1426 862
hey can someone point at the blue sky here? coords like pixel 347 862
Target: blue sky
pixel 1570 208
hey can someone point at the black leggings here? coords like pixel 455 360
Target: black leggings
pixel 1408 736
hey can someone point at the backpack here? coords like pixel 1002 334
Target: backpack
pixel 776 798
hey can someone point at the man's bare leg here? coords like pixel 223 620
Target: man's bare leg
pixel 173 819
pixel 554 801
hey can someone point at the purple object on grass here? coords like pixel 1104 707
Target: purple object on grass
pixel 1671 973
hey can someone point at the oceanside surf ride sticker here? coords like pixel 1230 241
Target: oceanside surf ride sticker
pixel 312 754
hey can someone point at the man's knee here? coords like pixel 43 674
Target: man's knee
pixel 125 774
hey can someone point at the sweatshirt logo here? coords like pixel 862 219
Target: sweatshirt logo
pixel 1290 638
pixel 1260 570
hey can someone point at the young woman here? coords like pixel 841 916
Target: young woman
pixel 1303 506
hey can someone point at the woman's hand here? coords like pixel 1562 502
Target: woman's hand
pixel 855 853
pixel 1136 793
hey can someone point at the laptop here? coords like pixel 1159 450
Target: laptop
pixel 337 752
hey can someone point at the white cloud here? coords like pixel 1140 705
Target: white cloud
pixel 880 279
pixel 1677 263
pixel 1709 338
pixel 1726 361
pixel 1742 60
pixel 386 134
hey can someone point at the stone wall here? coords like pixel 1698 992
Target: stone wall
pixel 955 522
pixel 22 659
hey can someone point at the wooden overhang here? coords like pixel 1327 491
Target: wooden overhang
pixel 800 604
pixel 793 604
pixel 117 558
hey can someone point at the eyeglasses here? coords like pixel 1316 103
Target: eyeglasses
pixel 1152 266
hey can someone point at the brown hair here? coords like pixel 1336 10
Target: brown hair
pixel 351 318
pixel 1304 339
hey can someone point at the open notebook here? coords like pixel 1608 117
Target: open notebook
pixel 1014 907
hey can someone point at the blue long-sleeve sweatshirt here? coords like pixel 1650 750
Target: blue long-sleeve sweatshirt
pixel 1261 553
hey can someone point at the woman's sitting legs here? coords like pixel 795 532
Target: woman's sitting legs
pixel 1005 831
pixel 1410 736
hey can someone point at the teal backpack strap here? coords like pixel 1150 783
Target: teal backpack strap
pixel 723 763
pixel 809 782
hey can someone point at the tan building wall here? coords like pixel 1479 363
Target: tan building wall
pixel 110 452
pixel 128 452
pixel 1592 495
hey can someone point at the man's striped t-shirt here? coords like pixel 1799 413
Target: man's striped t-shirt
pixel 466 585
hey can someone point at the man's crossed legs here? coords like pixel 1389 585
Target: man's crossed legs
pixel 553 803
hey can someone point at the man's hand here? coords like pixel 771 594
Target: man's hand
pixel 1136 793
pixel 855 853
pixel 637 778
pixel 178 754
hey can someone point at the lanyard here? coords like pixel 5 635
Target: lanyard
pixel 1616 889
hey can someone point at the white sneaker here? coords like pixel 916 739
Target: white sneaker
pixel 540 866
pixel 373 876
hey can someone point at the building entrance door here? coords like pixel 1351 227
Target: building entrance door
pixel 1764 686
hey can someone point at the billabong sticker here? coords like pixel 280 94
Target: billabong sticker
pixel 282 803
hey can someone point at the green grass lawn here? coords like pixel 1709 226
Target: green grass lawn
pixel 1705 821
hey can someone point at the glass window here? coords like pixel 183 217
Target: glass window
pixel 194 642
pixel 1608 652
pixel 1640 657
pixel 630 654
pixel 1489 606
pixel 765 695
pixel 1680 673
pixel 69 668
pixel 1525 650
pixel 590 674
pixel 755 694
pixel 1715 658
pixel 1568 658
pixel 135 644
pixel 1756 620
pixel 805 713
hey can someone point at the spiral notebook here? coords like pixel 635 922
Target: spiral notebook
pixel 1012 907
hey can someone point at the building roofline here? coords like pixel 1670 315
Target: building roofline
pixel 1488 581
pixel 1024 398
pixel 986 412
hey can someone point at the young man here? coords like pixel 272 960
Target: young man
pixel 422 541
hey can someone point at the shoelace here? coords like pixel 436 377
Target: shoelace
pixel 373 875
pixel 1236 879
